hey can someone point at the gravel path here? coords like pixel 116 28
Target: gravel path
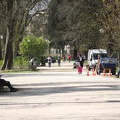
pixel 60 93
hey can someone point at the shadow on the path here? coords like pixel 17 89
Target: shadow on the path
pixel 58 88
pixel 38 74
pixel 36 104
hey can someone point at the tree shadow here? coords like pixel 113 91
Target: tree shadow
pixel 42 89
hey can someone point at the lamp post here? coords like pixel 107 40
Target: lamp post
pixel 30 55
pixel 1 37
pixel 101 30
pixel 58 51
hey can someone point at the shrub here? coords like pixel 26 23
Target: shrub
pixel 33 47
pixel 20 62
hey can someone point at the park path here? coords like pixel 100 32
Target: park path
pixel 60 93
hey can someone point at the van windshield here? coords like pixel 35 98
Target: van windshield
pixel 95 55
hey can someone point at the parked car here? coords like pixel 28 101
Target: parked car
pixel 107 63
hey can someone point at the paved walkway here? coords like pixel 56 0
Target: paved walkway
pixel 60 93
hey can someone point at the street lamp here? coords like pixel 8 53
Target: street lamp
pixel 58 51
pixel 68 47
pixel 1 37
pixel 101 30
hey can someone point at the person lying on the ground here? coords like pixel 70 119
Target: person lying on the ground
pixel 7 83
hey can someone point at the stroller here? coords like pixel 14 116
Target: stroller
pixel 79 68
pixel 74 65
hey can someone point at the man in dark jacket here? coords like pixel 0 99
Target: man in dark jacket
pixel 7 83
pixel 80 60
pixel 58 61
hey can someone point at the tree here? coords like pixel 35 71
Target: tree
pixel 109 16
pixel 74 22
pixel 17 16
pixel 33 47
pixel 56 26
pixel 79 22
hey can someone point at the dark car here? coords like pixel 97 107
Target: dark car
pixel 106 63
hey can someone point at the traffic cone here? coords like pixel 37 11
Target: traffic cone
pixel 104 74
pixel 87 72
pixel 94 73
pixel 110 74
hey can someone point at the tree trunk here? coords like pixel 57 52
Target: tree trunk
pixel 19 38
pixel 8 58
pixel 0 50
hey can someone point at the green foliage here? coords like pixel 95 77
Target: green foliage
pixel 110 17
pixel 33 47
pixel 79 22
pixel 1 62
pixel 74 22
pixel 20 62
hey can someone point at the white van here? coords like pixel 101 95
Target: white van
pixel 93 55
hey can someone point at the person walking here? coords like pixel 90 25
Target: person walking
pixel 97 67
pixel 59 61
pixel 49 61
pixel 80 60
pixel 31 61
pixel 64 58
pixel 69 58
